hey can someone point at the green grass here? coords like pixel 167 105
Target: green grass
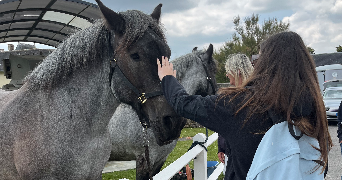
pixel 128 174
pixel 191 132
pixel 181 148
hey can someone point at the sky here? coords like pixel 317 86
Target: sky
pixel 197 23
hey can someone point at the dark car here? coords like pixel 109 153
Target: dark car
pixel 332 98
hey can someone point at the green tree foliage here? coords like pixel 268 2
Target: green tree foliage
pixel 247 39
pixel 339 48
pixel 311 50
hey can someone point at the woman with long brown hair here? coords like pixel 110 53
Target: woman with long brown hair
pixel 284 81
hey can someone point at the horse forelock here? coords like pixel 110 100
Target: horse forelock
pixel 136 24
pixel 82 48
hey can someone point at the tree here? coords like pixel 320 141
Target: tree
pixel 311 50
pixel 247 39
pixel 339 48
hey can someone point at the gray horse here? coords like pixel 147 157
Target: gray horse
pixel 56 125
pixel 126 131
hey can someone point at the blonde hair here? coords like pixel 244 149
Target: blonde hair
pixel 239 65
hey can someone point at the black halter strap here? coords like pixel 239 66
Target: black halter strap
pixel 141 97
pixel 210 81
pixel 276 118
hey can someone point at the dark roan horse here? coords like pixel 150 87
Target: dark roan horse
pixel 196 73
pixel 55 126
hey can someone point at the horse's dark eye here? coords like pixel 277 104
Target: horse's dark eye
pixel 135 57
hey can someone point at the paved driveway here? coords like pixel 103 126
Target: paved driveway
pixel 335 157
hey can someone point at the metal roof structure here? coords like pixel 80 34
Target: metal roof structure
pixel 44 21
pixel 327 58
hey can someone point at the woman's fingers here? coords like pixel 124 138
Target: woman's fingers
pixel 165 61
pixel 158 63
pixel 165 68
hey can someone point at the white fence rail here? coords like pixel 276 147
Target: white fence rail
pixel 199 154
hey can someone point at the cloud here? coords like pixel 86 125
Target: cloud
pixel 204 19
pixel 191 23
pixel 317 24
pixel 336 9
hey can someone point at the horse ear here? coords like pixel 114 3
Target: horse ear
pixel 194 50
pixel 156 12
pixel 113 20
pixel 209 52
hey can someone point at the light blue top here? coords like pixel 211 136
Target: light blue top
pixel 281 157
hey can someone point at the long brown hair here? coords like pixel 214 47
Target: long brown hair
pixel 285 72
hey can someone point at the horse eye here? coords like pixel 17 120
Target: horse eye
pixel 135 56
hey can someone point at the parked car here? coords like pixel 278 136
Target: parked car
pixel 332 98
pixel 332 83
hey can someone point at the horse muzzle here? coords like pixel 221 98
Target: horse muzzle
pixel 168 129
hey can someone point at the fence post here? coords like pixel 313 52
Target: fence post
pixel 200 162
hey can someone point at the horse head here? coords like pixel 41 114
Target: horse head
pixel 197 72
pixel 138 41
pixel 210 68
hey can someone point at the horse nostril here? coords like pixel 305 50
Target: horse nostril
pixel 168 122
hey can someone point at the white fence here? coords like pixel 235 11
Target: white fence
pixel 199 154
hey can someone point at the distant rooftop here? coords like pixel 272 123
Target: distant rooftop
pixel 327 58
pixel 6 54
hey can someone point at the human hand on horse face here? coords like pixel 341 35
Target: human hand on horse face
pixel 166 69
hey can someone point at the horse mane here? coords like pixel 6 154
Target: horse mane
pixel 84 47
pixel 183 63
pixel 79 50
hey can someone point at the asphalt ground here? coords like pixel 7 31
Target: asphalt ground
pixel 335 157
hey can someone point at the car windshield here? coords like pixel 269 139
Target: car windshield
pixel 332 84
pixel 333 94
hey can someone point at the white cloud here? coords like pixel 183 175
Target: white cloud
pixel 338 39
pixel 316 23
pixel 204 19
pixel 200 22
pixel 337 8
pixel 216 45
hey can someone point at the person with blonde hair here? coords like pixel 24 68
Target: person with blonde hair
pixel 238 69
pixel 283 84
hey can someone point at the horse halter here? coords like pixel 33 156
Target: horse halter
pixel 209 80
pixel 141 97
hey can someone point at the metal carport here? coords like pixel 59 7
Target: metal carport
pixel 44 21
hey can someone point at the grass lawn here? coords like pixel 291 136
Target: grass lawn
pixel 178 151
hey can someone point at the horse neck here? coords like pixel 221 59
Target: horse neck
pixel 86 94
pixel 180 63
